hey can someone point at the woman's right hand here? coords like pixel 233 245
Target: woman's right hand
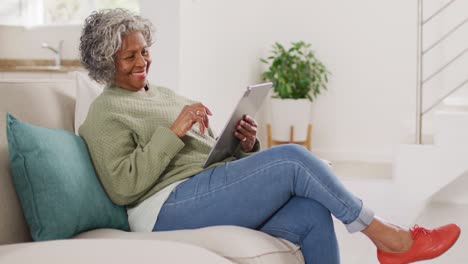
pixel 191 114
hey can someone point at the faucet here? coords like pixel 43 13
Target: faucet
pixel 57 51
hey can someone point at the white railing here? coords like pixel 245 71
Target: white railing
pixel 421 81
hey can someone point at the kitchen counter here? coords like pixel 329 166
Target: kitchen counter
pixel 33 65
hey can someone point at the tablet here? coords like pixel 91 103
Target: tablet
pixel 249 104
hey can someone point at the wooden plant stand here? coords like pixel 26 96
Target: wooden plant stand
pixel 306 143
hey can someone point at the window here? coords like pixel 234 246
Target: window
pixel 56 12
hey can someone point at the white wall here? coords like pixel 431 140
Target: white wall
pixel 25 43
pixel 166 49
pixel 210 50
pixel 370 47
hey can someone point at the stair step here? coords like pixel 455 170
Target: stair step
pixel 388 199
pixel 455 104
pixel 455 192
pixel 451 129
pixel 424 170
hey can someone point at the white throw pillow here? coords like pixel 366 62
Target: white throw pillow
pixel 86 91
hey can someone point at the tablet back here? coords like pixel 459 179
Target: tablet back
pixel 249 104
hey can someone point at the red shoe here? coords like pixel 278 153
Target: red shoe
pixel 427 244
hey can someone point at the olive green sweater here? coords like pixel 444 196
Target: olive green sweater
pixel 134 152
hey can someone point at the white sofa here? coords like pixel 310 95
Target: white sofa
pixel 51 103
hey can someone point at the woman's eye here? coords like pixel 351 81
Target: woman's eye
pixel 144 52
pixel 129 57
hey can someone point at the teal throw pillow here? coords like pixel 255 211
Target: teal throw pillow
pixel 56 183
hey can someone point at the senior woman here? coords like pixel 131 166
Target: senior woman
pixel 148 145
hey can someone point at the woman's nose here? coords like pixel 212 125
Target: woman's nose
pixel 140 61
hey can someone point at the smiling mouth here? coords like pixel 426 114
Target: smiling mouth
pixel 139 74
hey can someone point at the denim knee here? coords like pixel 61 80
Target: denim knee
pixel 294 152
pixel 302 153
pixel 297 218
pixel 290 149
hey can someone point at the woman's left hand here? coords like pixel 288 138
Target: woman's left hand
pixel 246 132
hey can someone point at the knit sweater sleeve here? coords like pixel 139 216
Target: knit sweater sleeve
pixel 126 168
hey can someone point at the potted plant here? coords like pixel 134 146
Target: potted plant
pixel 298 78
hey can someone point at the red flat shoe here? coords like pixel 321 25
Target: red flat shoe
pixel 427 244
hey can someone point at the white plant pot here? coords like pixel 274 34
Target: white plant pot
pixel 290 112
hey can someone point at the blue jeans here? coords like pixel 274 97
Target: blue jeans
pixel 284 191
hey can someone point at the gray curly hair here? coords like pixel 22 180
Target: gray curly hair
pixel 101 38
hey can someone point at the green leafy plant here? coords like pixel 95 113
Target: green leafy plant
pixel 296 73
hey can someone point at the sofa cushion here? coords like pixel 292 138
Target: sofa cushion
pixel 238 244
pixel 48 103
pixel 56 183
pixel 86 91
pixel 98 251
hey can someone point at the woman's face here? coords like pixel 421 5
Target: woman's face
pixel 132 62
